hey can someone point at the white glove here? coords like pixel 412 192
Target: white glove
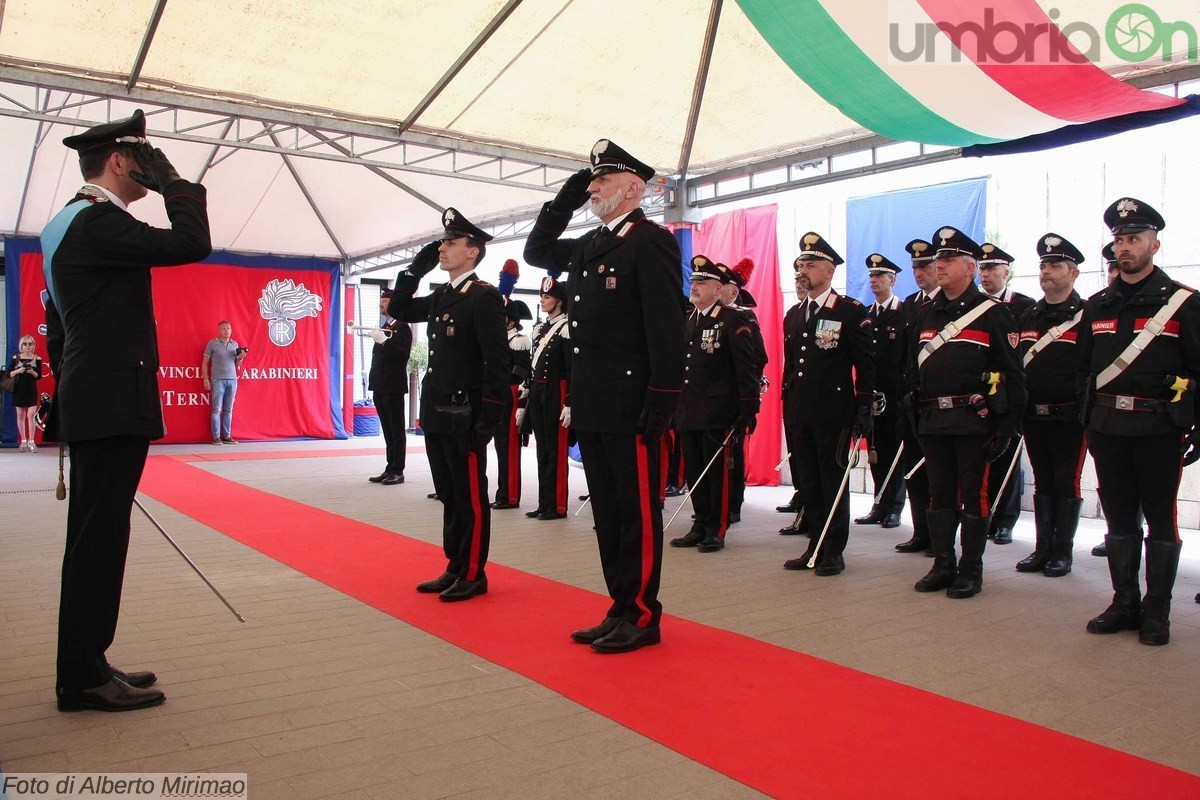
pixel 565 417
pixel 378 336
pixel 520 416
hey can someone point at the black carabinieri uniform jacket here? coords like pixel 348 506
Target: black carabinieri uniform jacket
pixel 1110 323
pixel 721 372
pixel 389 361
pixel 1050 375
pixel 100 328
pixel 828 365
pixel 469 359
pixel 627 327
pixel 959 367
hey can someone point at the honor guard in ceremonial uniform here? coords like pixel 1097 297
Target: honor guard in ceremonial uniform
pixel 548 409
pixel 829 376
pixel 388 382
pixel 1140 359
pixel 1113 271
pixel 970 395
pixel 508 433
pixel 462 395
pixel 887 324
pixel 627 336
pixel 912 464
pixel 103 347
pixel 735 295
pixel 995 273
pixel 719 402
pixel 1053 434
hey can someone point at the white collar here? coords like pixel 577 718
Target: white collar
pixel 457 282
pixel 118 202
pixel 616 223
pixel 704 312
pixel 822 298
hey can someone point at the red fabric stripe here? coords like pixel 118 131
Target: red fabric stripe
pixel 723 525
pixel 643 474
pixel 514 452
pixel 477 525
pixel 664 456
pixel 974 337
pixel 560 465
pixel 1072 92
pixel 986 508
pixel 1079 467
pixel 1171 328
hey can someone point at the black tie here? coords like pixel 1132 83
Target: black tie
pixel 810 311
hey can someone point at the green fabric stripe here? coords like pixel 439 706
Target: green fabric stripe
pixel 823 56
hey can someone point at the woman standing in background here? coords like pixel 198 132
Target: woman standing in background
pixel 26 368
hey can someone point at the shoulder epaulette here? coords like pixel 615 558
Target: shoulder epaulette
pixel 520 342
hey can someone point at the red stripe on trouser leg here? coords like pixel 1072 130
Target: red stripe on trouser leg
pixel 723 525
pixel 984 508
pixel 514 453
pixel 560 457
pixel 647 548
pixel 664 454
pixel 477 524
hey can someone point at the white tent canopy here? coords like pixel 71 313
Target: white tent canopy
pixel 342 129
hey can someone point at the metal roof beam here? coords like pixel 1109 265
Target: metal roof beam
pixel 710 40
pixel 399 184
pixel 458 64
pixel 287 160
pixel 147 40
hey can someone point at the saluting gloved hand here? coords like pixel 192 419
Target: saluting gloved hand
pixel 379 337
pixel 425 260
pixel 564 417
pixel 1191 447
pixel 1001 441
pixel 573 193
pixel 154 170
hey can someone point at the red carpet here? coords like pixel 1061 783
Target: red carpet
pixel 782 722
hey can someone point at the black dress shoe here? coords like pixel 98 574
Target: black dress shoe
pixel 537 512
pixel 802 561
pixel 502 506
pixel 689 539
pixel 674 491
pixel 138 680
pixel 796 530
pixel 584 496
pixel 913 545
pixel 393 479
pixel 116 695
pixel 464 590
pixel 626 637
pixel 789 508
pixel 1101 551
pixel 873 518
pixel 589 635
pixel 438 584
pixel 379 478
pixel 891 521
pixel 545 515
pixel 1002 536
pixel 834 565
pixel 711 544
pixel 735 517
pixel 433 496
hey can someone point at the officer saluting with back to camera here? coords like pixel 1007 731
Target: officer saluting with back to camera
pixel 1140 358
pixel 462 395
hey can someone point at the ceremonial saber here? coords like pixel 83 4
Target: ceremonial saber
pixel 782 461
pixel 191 563
pixel 692 488
pixel 1008 475
pixel 585 502
pixel 891 469
pixel 916 467
pixel 851 463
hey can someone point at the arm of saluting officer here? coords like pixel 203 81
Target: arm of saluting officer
pixel 114 234
pixel 545 248
pixel 404 306
pixel 660 283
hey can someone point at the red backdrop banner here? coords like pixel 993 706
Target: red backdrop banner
pixel 728 238
pixel 286 311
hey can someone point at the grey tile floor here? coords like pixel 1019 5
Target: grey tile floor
pixel 320 696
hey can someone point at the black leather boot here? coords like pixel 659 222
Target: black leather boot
pixel 1043 521
pixel 970 567
pixel 919 542
pixel 1066 522
pixel 1162 562
pixel 1125 611
pixel 943 523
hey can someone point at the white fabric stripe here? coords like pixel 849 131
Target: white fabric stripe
pixel 960 93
